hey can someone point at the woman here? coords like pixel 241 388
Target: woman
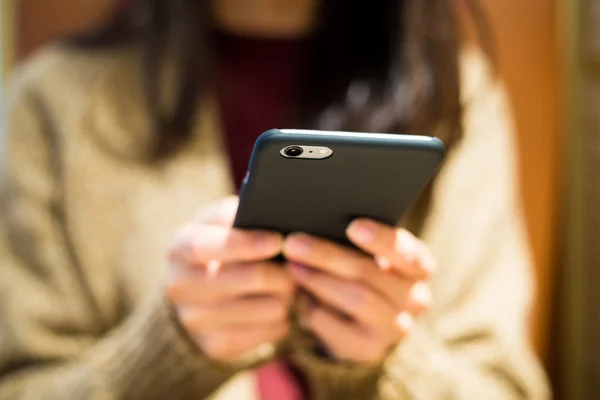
pixel 114 139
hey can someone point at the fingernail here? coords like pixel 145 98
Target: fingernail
pixel 421 294
pixel 428 262
pixel 406 246
pixel 299 272
pixel 299 245
pixel 405 321
pixel 362 231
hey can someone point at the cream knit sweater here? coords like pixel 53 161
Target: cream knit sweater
pixel 84 231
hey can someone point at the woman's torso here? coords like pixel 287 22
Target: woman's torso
pixel 120 212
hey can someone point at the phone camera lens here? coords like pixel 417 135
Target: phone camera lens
pixel 293 151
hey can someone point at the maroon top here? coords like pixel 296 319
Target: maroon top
pixel 257 85
pixel 258 81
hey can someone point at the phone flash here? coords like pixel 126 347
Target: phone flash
pixel 298 152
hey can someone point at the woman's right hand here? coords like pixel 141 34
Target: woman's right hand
pixel 226 294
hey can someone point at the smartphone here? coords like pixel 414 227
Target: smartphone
pixel 317 182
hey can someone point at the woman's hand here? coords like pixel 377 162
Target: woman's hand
pixel 225 294
pixel 366 302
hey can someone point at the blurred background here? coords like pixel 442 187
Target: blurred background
pixel 549 58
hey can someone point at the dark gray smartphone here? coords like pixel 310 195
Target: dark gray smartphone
pixel 317 182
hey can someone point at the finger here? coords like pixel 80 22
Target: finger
pixel 353 299
pixel 215 317
pixel 235 342
pixel 201 243
pixel 219 213
pixel 393 247
pixel 418 300
pixel 328 257
pixel 412 297
pixel 347 263
pixel 343 339
pixel 194 286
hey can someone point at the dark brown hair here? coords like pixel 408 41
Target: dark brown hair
pixel 385 65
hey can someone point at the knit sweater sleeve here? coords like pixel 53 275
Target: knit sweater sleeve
pixel 473 343
pixel 52 344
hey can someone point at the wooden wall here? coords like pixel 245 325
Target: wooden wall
pixel 7 40
pixel 41 20
pixel 528 40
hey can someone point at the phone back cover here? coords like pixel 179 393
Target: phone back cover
pixel 368 175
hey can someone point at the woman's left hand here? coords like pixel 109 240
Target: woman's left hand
pixel 366 302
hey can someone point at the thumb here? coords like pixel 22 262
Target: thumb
pixel 220 213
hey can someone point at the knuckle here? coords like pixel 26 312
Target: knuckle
pixel 174 291
pixel 279 310
pixel 185 319
pixel 181 282
pixel 271 309
pixel 201 316
pixel 275 332
pixel 181 279
pixel 195 320
pixel 177 272
pixel 373 349
pixel 284 327
pixel 217 346
pixel 178 242
pixel 282 282
pixel 372 345
pixel 205 344
pixel 360 298
pixel 186 248
pixel 224 344
pixel 358 272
